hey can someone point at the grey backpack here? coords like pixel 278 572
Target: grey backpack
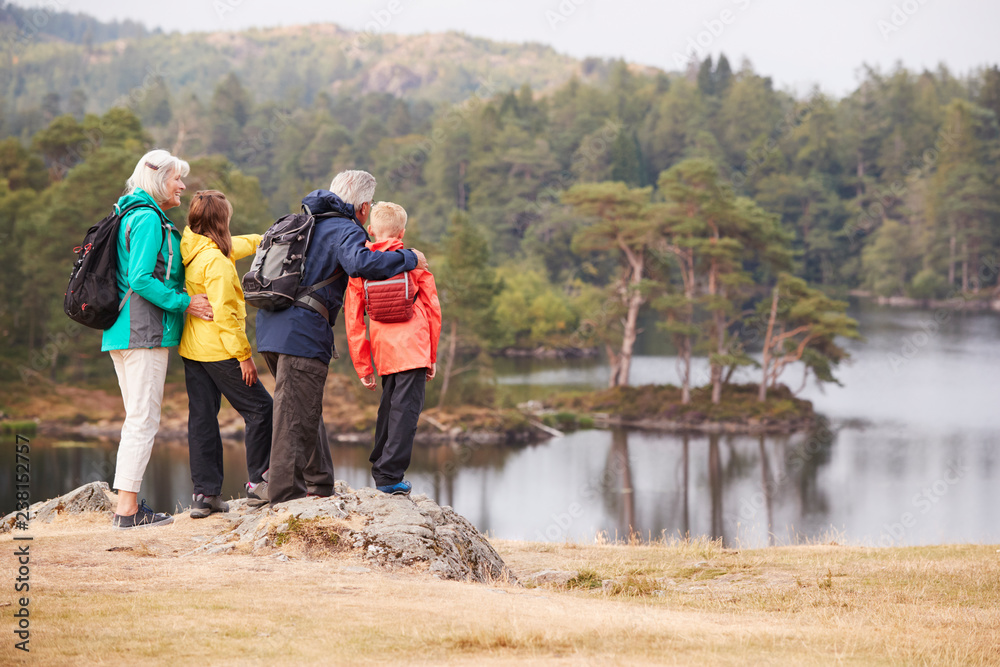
pixel 274 281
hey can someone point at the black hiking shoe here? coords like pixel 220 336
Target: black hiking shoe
pixel 143 518
pixel 204 505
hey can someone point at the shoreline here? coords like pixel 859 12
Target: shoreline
pixel 709 428
pixel 429 438
pixel 958 302
pixel 234 436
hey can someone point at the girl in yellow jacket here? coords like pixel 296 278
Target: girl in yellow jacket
pixel 217 354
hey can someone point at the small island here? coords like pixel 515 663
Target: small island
pixel 659 407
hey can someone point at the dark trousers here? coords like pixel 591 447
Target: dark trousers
pixel 207 382
pixel 398 412
pixel 300 452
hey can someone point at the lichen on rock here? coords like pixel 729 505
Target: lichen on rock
pixel 390 531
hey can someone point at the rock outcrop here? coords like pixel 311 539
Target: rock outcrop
pixel 91 497
pixel 387 530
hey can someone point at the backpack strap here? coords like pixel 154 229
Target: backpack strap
pixel 307 300
pixel 164 226
pixel 406 285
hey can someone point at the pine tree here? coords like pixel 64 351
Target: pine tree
pixel 888 258
pixel 706 82
pixel 712 233
pixel 964 201
pixel 626 159
pixel 467 286
pixel 620 222
pixel 230 110
pixel 803 325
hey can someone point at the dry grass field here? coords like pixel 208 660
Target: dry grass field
pixel 105 597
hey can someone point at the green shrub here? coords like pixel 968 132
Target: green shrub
pixel 585 579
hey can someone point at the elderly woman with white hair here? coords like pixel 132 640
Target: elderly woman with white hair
pixel 151 319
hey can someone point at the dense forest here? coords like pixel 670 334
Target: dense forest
pixel 556 211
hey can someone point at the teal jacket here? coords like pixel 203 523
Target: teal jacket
pixel 153 316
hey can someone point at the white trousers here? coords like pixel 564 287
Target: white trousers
pixel 141 374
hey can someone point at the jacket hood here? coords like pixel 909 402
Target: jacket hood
pixel 192 244
pixel 138 196
pixel 324 201
pixel 386 245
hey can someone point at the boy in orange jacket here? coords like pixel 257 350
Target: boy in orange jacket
pixel 405 352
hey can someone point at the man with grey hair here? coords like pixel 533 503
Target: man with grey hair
pixel 297 343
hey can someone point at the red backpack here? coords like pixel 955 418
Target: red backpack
pixel 391 300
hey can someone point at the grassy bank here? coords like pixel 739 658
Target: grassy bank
pixel 100 596
pixel 659 406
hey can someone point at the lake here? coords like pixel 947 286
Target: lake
pixel 909 454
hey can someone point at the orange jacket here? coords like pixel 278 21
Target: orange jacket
pixel 400 346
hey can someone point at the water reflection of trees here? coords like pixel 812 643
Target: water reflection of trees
pixel 620 460
pixel 617 490
pixel 58 467
pixel 444 463
pixel 768 486
pixel 715 486
pixel 727 487
pixel 687 484
pixel 804 462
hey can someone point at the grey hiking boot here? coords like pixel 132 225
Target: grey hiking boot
pixel 257 493
pixel 204 505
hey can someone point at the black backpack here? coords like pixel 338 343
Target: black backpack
pixel 91 297
pixel 274 281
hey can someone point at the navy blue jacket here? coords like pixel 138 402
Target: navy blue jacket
pixel 336 242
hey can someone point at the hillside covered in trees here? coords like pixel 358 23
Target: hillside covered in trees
pixel 559 201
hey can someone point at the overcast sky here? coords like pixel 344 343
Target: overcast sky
pixel 797 42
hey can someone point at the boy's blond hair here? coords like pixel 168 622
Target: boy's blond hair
pixel 387 220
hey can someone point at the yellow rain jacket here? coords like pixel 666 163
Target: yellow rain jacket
pixel 208 271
